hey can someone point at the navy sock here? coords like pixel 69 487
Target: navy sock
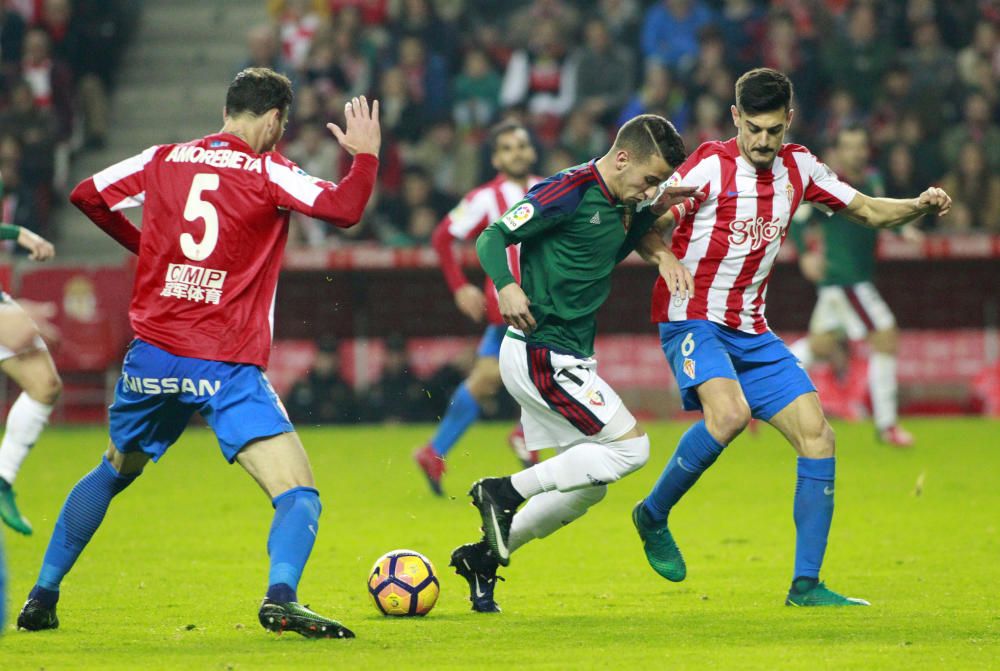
pixel 813 513
pixel 293 532
pixel 696 451
pixel 462 411
pixel 79 518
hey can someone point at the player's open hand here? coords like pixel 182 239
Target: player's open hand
pixel 471 302
pixel 680 200
pixel 514 308
pixel 680 284
pixel 935 199
pixel 362 134
pixel 40 248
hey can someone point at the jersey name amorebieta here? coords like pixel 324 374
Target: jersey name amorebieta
pixel 729 242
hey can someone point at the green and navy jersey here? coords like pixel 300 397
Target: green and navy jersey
pixel 848 247
pixel 572 233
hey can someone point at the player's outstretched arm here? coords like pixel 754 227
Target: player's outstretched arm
pixel 40 248
pixel 890 212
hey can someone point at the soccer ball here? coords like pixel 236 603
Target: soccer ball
pixel 402 582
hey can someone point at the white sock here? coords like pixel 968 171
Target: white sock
pixel 549 512
pixel 802 351
pixel 25 421
pixel 882 386
pixel 532 481
pixel 587 465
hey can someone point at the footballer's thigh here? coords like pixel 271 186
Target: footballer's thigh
pixel 18 331
pixel 484 378
pixel 277 463
pixel 804 425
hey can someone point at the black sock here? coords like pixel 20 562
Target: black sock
pixel 508 495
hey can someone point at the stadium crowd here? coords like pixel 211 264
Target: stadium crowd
pixel 921 74
pixel 58 60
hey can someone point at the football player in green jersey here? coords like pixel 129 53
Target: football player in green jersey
pixel 573 228
pixel 848 302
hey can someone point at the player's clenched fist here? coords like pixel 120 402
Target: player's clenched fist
pixel 362 134
pixel 514 308
pixel 935 199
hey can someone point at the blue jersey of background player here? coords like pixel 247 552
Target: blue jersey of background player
pixel 215 220
pixel 513 156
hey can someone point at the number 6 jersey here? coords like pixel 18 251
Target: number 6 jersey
pixel 214 225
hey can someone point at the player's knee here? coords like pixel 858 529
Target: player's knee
pixel 727 420
pixel 46 390
pixel 484 380
pixel 819 441
pixel 591 496
pixel 633 453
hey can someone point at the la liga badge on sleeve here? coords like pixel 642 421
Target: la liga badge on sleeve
pixel 518 216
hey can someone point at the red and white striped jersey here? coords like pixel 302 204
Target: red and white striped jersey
pixel 214 226
pixel 730 241
pixel 477 210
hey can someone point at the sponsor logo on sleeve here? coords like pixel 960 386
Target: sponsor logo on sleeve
pixel 520 215
pixel 595 397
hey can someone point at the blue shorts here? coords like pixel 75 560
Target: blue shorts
pixel 769 374
pixel 490 344
pixel 158 393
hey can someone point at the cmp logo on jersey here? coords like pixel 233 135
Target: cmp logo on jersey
pixel 193 283
pixel 755 230
pixel 521 214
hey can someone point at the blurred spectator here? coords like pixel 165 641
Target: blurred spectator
pixel 542 77
pixel 419 19
pixel 711 122
pixel 35 128
pixel 980 61
pixel 323 396
pixel 393 216
pixel 977 126
pixel 557 159
pixel 562 16
pixel 609 73
pixel 621 17
pixel 19 205
pixel 297 26
pixel 315 151
pixel 839 112
pixel 972 184
pixel 426 78
pixel 475 92
pixel 264 50
pixel 742 25
pixel 582 138
pixel 446 156
pixel 858 55
pixel 398 396
pixel 932 69
pixel 901 177
pixel 670 32
pixel 50 79
pixel 401 116
pixel 12 30
pixel 658 95
pixel 894 97
pixel 783 48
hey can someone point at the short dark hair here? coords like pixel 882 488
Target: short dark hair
pixel 763 90
pixel 257 90
pixel 648 135
pixel 502 128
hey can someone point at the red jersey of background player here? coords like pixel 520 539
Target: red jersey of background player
pixel 477 210
pixel 214 226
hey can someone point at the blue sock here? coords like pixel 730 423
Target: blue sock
pixel 293 532
pixel 696 451
pixel 813 513
pixel 79 518
pixel 462 411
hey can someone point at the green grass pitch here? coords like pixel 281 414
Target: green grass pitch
pixel 174 577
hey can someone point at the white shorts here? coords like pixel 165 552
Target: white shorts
pixel 856 310
pixel 36 344
pixel 563 400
